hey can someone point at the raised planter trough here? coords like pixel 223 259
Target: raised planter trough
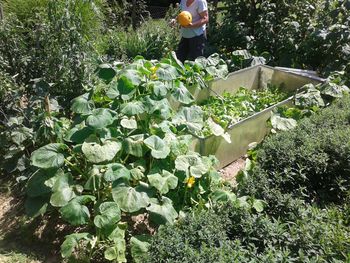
pixel 253 128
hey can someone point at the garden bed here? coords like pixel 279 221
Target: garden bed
pixel 255 127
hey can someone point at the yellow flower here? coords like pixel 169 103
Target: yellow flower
pixel 190 182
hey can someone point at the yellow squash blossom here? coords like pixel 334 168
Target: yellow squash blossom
pixel 190 182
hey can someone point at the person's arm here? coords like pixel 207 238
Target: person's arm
pixel 204 20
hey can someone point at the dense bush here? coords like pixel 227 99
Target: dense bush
pixel 311 34
pixel 235 234
pixel 53 45
pixel 153 40
pixel 310 163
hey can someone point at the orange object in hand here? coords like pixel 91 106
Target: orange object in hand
pixel 184 18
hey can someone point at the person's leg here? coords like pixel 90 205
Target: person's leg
pixel 197 45
pixel 183 49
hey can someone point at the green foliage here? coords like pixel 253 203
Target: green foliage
pixel 308 163
pixel 52 46
pixel 235 234
pixel 311 34
pixel 231 108
pixel 125 153
pixel 154 39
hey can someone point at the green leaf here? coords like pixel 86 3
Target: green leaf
pixel 159 149
pixel 109 215
pixel 116 252
pixel 130 124
pixel 192 117
pixel 217 130
pixel 139 247
pixel 96 153
pixel 36 206
pixel 49 156
pixel 130 199
pixel 82 104
pixel 191 163
pixel 116 171
pixel 162 213
pixel 71 241
pixel 163 182
pixel 166 72
pixel 258 205
pixel 21 134
pixel 283 124
pixel 159 108
pixel 78 135
pixel 75 212
pixel 312 97
pixel 106 72
pixel 113 91
pixel 62 190
pixel 37 185
pixel 99 119
pixel 133 108
pixel 133 145
pixel 160 89
pixel 333 90
pixel 181 93
pixel 223 196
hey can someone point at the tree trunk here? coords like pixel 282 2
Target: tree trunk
pixel 1 12
pixel 133 15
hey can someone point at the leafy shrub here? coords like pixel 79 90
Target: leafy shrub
pixel 308 163
pixel 235 234
pixel 309 34
pixel 152 40
pixel 52 46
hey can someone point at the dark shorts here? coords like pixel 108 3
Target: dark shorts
pixel 191 48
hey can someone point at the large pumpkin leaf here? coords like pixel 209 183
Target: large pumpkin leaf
pixel 159 108
pixel 133 145
pixel 113 91
pixel 62 190
pixel 130 199
pixel 109 214
pixel 181 93
pixel 37 184
pixel 160 89
pixel 106 72
pixel 192 164
pixel 71 241
pixel 162 213
pixel 99 119
pixel 159 149
pixel 133 108
pixel 116 171
pixel 36 206
pixel 166 72
pixel 163 182
pixel 96 153
pixel 75 212
pixel 130 124
pixel 82 104
pixel 139 247
pixel 49 156
pixel 117 252
pixel 192 117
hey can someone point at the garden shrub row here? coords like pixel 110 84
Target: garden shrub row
pixel 310 162
pixel 235 234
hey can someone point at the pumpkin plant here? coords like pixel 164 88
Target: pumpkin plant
pixel 126 153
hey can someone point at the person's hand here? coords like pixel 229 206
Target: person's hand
pixel 172 22
pixel 190 25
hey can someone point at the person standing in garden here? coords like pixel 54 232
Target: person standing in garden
pixel 193 36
